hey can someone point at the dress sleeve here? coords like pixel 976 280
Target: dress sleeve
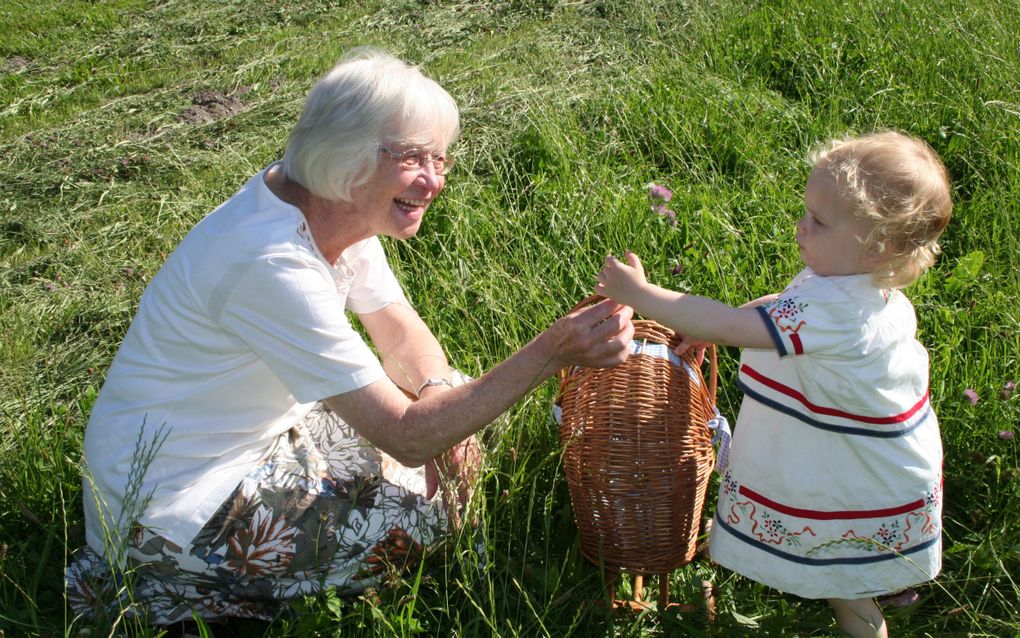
pixel 811 317
pixel 289 313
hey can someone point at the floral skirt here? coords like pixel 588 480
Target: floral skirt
pixel 325 509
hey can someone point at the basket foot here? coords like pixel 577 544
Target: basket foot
pixel 637 603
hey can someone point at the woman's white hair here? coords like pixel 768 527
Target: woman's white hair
pixel 370 99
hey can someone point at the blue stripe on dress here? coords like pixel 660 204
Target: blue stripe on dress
pixel 840 429
pixel 773 331
pixel 858 560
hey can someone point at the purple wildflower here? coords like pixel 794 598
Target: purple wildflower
pixel 971 396
pixel 659 193
pixel 1007 390
pixel 660 209
pixel 1006 435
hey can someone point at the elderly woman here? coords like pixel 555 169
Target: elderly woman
pixel 248 446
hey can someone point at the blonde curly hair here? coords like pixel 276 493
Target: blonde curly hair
pixel 901 187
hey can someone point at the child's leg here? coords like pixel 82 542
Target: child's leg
pixel 859 618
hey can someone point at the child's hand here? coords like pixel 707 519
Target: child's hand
pixel 621 282
pixel 697 345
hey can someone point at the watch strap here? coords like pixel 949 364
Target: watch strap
pixel 431 381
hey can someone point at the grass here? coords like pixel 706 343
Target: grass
pixel 569 108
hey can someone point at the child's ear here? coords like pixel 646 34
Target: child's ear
pixel 873 258
pixel 877 262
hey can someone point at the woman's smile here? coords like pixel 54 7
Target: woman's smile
pixel 412 206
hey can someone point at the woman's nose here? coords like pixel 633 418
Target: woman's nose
pixel 429 177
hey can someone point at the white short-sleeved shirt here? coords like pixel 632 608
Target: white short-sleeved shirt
pixel 834 483
pixel 237 336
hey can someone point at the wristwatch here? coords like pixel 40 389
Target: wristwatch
pixel 431 381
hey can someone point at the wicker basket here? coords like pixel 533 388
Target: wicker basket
pixel 638 453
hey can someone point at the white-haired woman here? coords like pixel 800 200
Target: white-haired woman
pixel 247 446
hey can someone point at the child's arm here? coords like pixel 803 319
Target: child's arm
pixel 697 318
pixel 761 301
pixel 698 346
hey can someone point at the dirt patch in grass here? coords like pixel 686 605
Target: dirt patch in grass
pixel 13 64
pixel 211 105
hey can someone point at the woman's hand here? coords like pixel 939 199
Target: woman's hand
pixel 621 282
pixel 594 337
pixel 456 471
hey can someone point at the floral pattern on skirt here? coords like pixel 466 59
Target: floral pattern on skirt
pixel 325 509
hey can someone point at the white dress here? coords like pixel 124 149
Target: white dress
pixel 834 482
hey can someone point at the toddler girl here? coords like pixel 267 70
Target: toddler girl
pixel 834 487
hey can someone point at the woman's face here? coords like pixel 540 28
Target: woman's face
pixel 829 235
pixel 394 200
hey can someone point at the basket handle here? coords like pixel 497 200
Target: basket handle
pixel 713 367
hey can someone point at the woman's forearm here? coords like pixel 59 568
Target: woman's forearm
pixel 443 417
pixel 410 353
pixel 415 432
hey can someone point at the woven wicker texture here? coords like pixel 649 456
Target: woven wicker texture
pixel 638 455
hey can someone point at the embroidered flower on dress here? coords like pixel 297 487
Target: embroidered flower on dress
pixel 729 485
pixel 786 312
pixel 773 526
pixel 786 308
pixel 887 534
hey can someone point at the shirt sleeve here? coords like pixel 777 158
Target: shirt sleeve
pixel 810 317
pixel 374 285
pixel 289 312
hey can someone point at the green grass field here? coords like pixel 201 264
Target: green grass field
pixel 123 122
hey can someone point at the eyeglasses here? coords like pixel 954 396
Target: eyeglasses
pixel 415 159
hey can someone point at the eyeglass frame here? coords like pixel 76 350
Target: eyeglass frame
pixel 423 157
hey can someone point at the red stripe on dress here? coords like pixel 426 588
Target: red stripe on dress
pixel 798 347
pixel 818 409
pixel 833 515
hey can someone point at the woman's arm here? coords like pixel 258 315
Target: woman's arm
pixel 410 352
pixel 415 432
pixel 697 318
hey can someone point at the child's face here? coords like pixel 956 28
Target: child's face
pixel 829 234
